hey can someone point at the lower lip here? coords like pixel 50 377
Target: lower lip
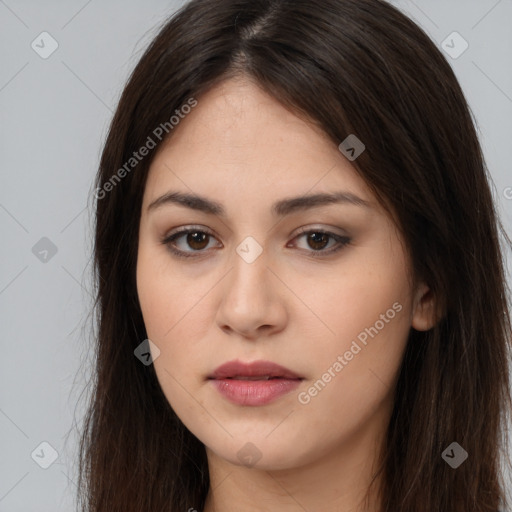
pixel 254 392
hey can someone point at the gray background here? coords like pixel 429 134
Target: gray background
pixel 54 117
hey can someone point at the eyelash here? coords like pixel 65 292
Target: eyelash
pixel 342 241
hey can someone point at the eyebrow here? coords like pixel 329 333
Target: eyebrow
pixel 280 208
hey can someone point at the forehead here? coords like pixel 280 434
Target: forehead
pixel 243 139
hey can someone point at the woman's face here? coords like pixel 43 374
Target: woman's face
pixel 253 281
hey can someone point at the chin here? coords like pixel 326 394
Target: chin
pixel 260 453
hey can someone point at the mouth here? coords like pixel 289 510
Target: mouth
pixel 253 384
pixel 257 370
pixel 245 377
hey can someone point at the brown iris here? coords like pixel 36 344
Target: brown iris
pixel 318 238
pixel 195 239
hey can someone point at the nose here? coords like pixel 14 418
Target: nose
pixel 252 302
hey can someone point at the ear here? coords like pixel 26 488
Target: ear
pixel 423 314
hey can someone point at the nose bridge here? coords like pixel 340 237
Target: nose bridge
pixel 249 299
pixel 250 265
pixel 250 250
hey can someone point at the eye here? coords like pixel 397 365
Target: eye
pixel 198 239
pixel 318 240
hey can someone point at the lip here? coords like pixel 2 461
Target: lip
pixel 254 369
pixel 253 392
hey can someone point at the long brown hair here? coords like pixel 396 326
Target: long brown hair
pixel 350 67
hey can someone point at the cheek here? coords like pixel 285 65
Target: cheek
pixel 370 334
pixel 367 307
pixel 162 292
pixel 174 307
pixel 352 378
pixel 175 321
pixel 354 296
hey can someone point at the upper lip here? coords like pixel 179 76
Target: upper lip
pixel 253 369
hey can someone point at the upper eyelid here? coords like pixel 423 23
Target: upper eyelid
pixel 188 229
pixel 307 229
pixel 302 231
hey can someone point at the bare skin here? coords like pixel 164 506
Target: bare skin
pixel 296 304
